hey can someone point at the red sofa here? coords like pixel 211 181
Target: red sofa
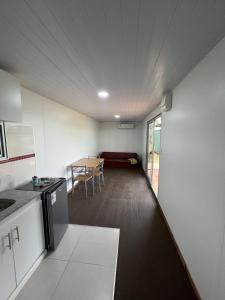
pixel 119 159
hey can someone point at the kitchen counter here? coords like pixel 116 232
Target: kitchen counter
pixel 21 198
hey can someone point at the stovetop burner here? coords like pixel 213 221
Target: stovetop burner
pixel 48 180
pixel 43 184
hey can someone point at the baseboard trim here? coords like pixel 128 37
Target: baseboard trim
pixel 37 263
pixel 174 240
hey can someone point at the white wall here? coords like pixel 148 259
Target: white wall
pixel 120 140
pixel 62 135
pixel 192 172
pixel 15 173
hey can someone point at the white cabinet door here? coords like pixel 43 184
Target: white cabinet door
pixel 10 98
pixel 28 238
pixel 7 270
pixel 19 139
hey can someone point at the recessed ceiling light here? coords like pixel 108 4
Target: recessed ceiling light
pixel 103 94
pixel 117 116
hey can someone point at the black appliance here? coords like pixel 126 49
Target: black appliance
pixel 55 208
pixel 3 151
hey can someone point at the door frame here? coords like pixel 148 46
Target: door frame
pixel 147 143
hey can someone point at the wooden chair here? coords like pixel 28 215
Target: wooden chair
pixel 99 174
pixel 91 156
pixel 80 174
pixel 102 170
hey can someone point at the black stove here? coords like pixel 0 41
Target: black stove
pixel 44 184
pixel 55 207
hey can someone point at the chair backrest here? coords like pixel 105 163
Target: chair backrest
pixel 101 166
pixel 94 156
pixel 81 170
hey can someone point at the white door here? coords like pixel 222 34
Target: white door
pixel 28 238
pixel 7 270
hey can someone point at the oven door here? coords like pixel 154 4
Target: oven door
pixel 56 217
pixel 3 152
pixel 60 212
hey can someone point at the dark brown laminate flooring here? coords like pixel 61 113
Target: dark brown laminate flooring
pixel 148 264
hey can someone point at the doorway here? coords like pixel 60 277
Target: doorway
pixel 153 152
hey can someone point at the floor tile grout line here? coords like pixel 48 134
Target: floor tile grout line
pixel 78 240
pixel 67 263
pixel 60 279
pixel 71 262
pixel 88 263
pixel 100 227
pixel 80 262
pixel 117 245
pixel 58 259
pixel 79 235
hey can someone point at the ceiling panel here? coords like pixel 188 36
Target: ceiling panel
pixel 68 50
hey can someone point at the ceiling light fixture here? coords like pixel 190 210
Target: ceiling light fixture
pixel 117 116
pixel 103 94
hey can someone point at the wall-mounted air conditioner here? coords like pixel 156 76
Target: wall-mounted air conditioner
pixel 126 125
pixel 166 103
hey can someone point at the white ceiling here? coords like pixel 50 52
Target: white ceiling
pixel 67 50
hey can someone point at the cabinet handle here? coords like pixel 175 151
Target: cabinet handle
pixel 9 240
pixel 17 234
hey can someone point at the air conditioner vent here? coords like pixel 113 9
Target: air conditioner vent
pixel 126 125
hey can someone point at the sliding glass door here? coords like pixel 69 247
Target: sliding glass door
pixel 153 152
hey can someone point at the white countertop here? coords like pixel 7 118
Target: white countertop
pixel 21 198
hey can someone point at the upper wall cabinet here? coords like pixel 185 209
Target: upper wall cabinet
pixel 19 139
pixel 10 98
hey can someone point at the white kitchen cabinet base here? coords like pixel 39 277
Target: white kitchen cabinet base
pixel 90 278
pixel 7 270
pixel 27 277
pixel 21 244
pixel 28 236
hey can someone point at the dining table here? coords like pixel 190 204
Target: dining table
pixel 90 162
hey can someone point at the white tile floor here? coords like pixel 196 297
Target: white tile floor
pixel 83 267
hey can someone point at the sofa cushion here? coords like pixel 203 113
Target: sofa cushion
pixel 119 159
pixel 117 163
pixel 118 155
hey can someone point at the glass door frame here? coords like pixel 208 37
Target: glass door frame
pixel 147 147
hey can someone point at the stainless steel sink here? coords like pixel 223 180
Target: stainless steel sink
pixel 5 203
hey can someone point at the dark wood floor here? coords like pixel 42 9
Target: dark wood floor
pixel 148 264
